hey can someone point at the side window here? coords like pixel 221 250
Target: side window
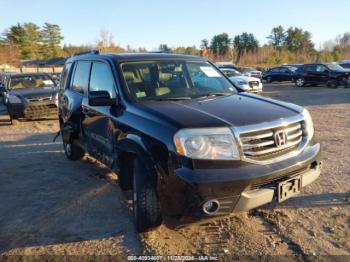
pixel 102 79
pixel 275 70
pixel 81 77
pixel 310 68
pixel 64 75
pixel 284 70
pixel 320 68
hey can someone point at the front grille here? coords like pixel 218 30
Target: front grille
pixel 262 145
pixel 36 99
pixel 33 111
pixel 253 84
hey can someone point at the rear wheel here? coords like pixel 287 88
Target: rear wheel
pixel 146 207
pixel 300 82
pixel 73 151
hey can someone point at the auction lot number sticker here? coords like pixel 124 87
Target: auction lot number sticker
pixel 172 258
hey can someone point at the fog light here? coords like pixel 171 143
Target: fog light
pixel 211 207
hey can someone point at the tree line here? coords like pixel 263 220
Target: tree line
pixel 292 45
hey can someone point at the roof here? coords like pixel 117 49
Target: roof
pixel 137 56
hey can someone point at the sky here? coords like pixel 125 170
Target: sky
pixel 148 23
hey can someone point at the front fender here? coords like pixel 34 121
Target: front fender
pixel 134 144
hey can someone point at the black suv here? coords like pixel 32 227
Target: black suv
pixel 279 74
pixel 330 74
pixel 182 137
pixel 29 96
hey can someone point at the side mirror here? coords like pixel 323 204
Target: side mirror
pixel 101 98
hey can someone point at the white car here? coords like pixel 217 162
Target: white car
pixel 247 83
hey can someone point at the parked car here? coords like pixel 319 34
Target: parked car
pixel 250 72
pixel 345 64
pixel 248 84
pixel 279 74
pixel 29 96
pixel 330 74
pixel 183 139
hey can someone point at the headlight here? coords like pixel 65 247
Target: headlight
pixel 241 82
pixel 309 125
pixel 13 99
pixel 56 99
pixel 210 143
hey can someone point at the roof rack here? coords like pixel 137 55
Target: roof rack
pixel 92 52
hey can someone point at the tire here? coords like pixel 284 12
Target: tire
pixel 269 80
pixel 300 82
pixel 146 207
pixel 13 121
pixel 72 151
pixel 332 84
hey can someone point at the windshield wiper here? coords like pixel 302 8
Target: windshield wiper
pixel 215 94
pixel 173 98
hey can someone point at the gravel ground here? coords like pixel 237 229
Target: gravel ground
pixel 49 205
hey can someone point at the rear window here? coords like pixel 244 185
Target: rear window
pixel 81 77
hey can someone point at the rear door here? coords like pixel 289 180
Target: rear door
pixel 322 74
pixel 310 74
pixel 97 122
pixel 285 74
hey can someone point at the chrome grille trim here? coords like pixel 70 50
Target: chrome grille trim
pixel 296 140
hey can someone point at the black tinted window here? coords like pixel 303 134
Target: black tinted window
pixel 102 78
pixel 274 70
pixel 345 65
pixel 81 77
pixel 310 68
pixel 64 75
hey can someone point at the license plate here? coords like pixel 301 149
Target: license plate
pixel 288 188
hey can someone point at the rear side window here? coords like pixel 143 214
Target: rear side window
pixel 102 79
pixel 310 68
pixel 81 77
pixel 64 75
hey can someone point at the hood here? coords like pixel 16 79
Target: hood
pixel 236 110
pixel 244 78
pixel 38 92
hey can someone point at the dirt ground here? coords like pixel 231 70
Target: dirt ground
pixel 50 205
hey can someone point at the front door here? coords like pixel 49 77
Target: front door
pixel 97 124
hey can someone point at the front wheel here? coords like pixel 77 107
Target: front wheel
pixel 146 207
pixel 269 80
pixel 300 82
pixel 73 151
pixel 332 84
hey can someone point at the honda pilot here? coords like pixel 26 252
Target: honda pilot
pixel 181 137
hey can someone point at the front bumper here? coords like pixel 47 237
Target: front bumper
pixel 241 187
pixel 33 110
pixel 258 197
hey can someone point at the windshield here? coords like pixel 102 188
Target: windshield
pixel 166 80
pixel 231 72
pixel 335 67
pixel 30 81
